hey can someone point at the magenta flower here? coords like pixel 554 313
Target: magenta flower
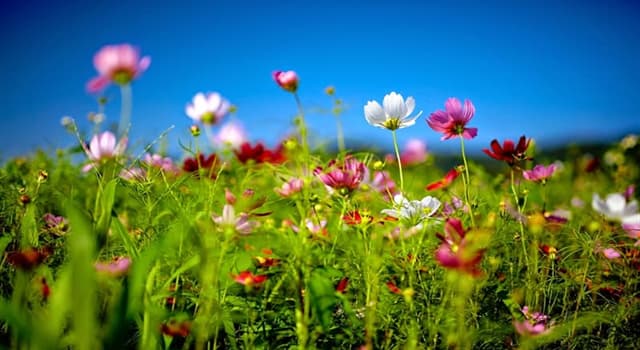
pixel 345 177
pixel 58 225
pixel 533 324
pixel 290 188
pixel 611 253
pixel 453 120
pixel 287 80
pixel 208 109
pixel 539 173
pixel 456 252
pixel 415 152
pixel 103 147
pixel 115 268
pixel 119 64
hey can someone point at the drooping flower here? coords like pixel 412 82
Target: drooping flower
pixel 119 266
pixel 247 278
pixel 539 173
pixel 119 64
pixel 394 113
pixel 533 323
pixel 414 152
pixel 290 187
pixel 231 134
pixel 615 207
pixel 239 223
pixel 343 177
pixel 208 109
pixel 413 212
pixel 453 120
pixel 287 80
pixel 445 181
pixel 133 174
pixel 260 154
pixel 509 152
pixel 456 252
pixel 103 147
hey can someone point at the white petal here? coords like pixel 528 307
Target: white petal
pixel 391 212
pixel 411 105
pixel 213 102
pixel 631 208
pixel 374 113
pixel 631 220
pixel 616 203
pixel 394 107
pixel 599 205
pixel 409 121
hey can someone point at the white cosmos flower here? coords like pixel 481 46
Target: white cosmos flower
pixel 413 211
pixel 393 114
pixel 208 109
pixel 615 207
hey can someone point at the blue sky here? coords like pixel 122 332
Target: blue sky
pixel 559 71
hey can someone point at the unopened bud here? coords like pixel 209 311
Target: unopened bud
pixel 42 176
pixel 330 90
pixel 195 130
pixel 25 199
pixel 378 165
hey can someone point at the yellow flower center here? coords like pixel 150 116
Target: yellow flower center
pixel 392 124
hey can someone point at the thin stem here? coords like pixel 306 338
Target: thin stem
pixel 126 104
pixel 467 182
pixel 302 127
pixel 341 146
pixel 395 146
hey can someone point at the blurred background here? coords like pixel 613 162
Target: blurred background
pixel 558 71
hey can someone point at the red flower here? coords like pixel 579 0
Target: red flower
pixel 287 80
pixel 456 252
pixel 174 328
pixel 193 165
pixel 29 258
pixel 342 285
pixel 355 218
pixel 509 152
pixel 260 154
pixel 393 288
pixel 445 181
pixel 247 278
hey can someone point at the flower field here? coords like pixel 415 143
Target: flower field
pixel 238 245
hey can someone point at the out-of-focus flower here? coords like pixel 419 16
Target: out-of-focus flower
pixel 610 253
pixel 119 64
pixel 615 207
pixel 629 141
pixel 260 154
pixel 58 225
pixel 393 288
pixel 67 122
pixel 445 181
pixel 163 163
pixel 290 187
pixel 539 173
pixel 381 181
pixel 393 114
pixel 175 328
pixel 208 109
pixel 103 147
pixel 453 120
pixel 119 266
pixel 450 208
pixel 415 152
pixel 456 252
pixel 342 285
pixel 316 229
pixel 207 163
pixel 356 218
pixel 287 80
pixel 628 193
pixel 344 177
pixel 533 324
pixel 231 134
pixel 247 278
pixel 133 174
pixel 509 152
pixel 633 230
pixel 413 212
pixel 239 223
pixel 29 258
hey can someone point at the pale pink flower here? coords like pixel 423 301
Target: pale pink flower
pixel 611 253
pixel 119 64
pixel 381 182
pixel 290 188
pixel 239 223
pixel 319 229
pixel 231 134
pixel 415 152
pixel 533 324
pixel 287 80
pixel 163 163
pixel 615 207
pixel 104 146
pixel 115 268
pixel 208 109
pixel 133 174
pixel 453 120
pixel 539 173
pixel 633 230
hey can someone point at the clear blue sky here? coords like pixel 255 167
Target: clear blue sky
pixel 558 71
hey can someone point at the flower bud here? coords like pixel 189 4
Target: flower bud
pixel 195 130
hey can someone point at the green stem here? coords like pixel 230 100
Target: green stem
pixel 467 182
pixel 517 199
pixel 126 104
pixel 302 127
pixel 341 146
pixel 395 146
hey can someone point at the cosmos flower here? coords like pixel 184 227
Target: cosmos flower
pixel 533 324
pixel 394 113
pixel 287 80
pixel 247 278
pixel 58 225
pixel 163 163
pixel 456 252
pixel 445 181
pixel 119 64
pixel 344 177
pixel 509 152
pixel 207 163
pixel 260 154
pixel 239 223
pixel 412 211
pixel 615 207
pixel 103 147
pixel 453 120
pixel 231 134
pixel 115 268
pixel 415 152
pixel 381 182
pixel 208 109
pixel 539 173
pixel 290 187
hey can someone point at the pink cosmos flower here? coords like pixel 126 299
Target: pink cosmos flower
pixel 163 163
pixel 539 173
pixel 58 225
pixel 115 268
pixel 415 152
pixel 344 177
pixel 633 230
pixel 533 324
pixel 287 80
pixel 208 109
pixel 319 229
pixel 231 134
pixel 453 120
pixel 611 253
pixel 104 146
pixel 133 174
pixel 240 223
pixel 455 252
pixel 290 188
pixel 119 64
pixel 381 182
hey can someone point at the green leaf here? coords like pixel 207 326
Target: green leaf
pixel 323 297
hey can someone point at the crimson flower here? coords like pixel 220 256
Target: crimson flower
pixel 207 163
pixel 355 218
pixel 453 120
pixel 456 252
pixel 509 152
pixel 393 288
pixel 260 154
pixel 445 181
pixel 288 80
pixel 29 258
pixel 342 285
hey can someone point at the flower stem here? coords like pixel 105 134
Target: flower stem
pixel 302 127
pixel 340 135
pixel 467 182
pixel 395 146
pixel 126 104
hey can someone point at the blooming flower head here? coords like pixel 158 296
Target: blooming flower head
pixel 206 163
pixel 290 187
pixel 231 134
pixel 611 253
pixel 115 268
pixel 260 154
pixel 208 109
pixel 539 173
pixel 58 225
pixel 356 218
pixel 413 212
pixel 415 152
pixel 157 161
pixel 456 252
pixel 453 120
pixel 533 324
pixel 445 181
pixel 394 113
pixel 287 80
pixel 247 278
pixel 615 207
pixel 381 182
pixel 103 147
pixel 509 152
pixel 239 223
pixel 344 177
pixel 119 64
pixel 29 258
